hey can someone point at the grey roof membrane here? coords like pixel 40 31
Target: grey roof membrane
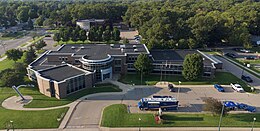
pixel 60 73
pixel 99 51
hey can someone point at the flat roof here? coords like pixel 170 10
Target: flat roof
pixel 62 72
pixel 165 55
pixel 99 51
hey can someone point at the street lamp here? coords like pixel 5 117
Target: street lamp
pixel 12 124
pixel 252 129
pixel 178 90
pixel 139 124
pixel 221 115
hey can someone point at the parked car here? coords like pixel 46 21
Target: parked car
pixel 230 105
pixel 246 78
pixel 237 49
pixel 237 87
pixel 246 107
pixel 219 88
pixel 170 87
pixel 245 51
pixel 250 58
pixel 231 55
pixel 47 35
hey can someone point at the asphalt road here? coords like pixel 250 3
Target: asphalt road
pixel 12 44
pixel 237 71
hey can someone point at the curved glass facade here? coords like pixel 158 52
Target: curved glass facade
pixel 98 66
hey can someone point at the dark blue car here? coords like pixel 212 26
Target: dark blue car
pixel 230 105
pixel 246 107
pixel 219 88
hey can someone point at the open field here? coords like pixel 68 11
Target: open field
pixel 28 119
pixel 117 116
pixel 41 101
pixel 224 78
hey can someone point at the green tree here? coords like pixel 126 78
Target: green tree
pixel 116 34
pixel 143 65
pixel 14 54
pixel 75 35
pixel 192 66
pixel 30 24
pixel 40 45
pixel 39 21
pixel 214 106
pixel 57 37
pixel 65 35
pixel 82 35
pixel 92 34
pixel 10 77
pixel 29 56
pixel 106 35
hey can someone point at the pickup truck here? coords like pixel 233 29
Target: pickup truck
pixel 237 87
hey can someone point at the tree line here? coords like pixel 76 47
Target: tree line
pixel 193 24
pixel 162 24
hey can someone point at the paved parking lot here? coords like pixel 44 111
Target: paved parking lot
pixel 88 112
pixel 129 34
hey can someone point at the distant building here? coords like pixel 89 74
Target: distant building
pixel 88 23
pixel 97 62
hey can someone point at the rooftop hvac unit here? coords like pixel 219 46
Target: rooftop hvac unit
pixel 135 50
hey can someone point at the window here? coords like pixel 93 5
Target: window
pixel 117 69
pixel 117 62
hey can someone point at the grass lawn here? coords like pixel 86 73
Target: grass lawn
pixel 40 101
pixel 28 119
pixel 224 78
pixel 5 64
pixel 117 116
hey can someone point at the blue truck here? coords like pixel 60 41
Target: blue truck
pixel 165 103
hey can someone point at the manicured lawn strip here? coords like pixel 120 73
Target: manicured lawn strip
pixel 28 119
pixel 6 63
pixel 224 78
pixel 117 116
pixel 41 101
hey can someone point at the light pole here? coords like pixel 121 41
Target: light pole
pixel 139 124
pixel 178 90
pixel 220 119
pixel 252 129
pixel 12 124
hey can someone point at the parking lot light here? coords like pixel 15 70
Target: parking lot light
pixel 252 129
pixel 221 115
pixel 139 124
pixel 178 90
